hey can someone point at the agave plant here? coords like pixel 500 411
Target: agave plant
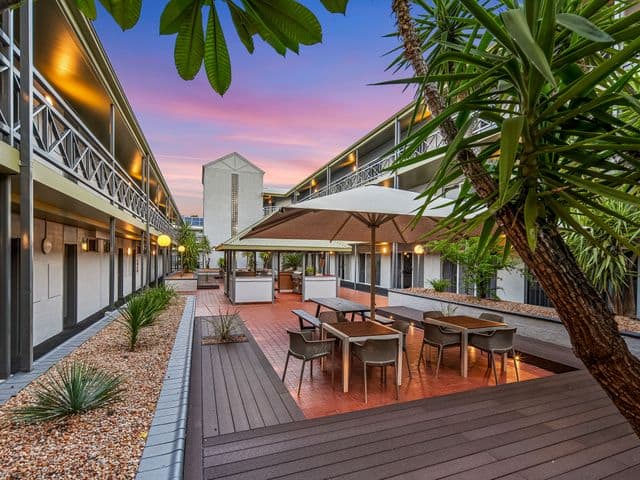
pixel 140 312
pixel 75 387
pixel 224 325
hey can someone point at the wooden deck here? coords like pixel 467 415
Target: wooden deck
pixel 555 427
pixel 233 389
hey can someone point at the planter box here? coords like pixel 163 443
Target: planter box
pixel 322 286
pixel 182 283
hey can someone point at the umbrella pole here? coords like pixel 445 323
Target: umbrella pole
pixel 372 280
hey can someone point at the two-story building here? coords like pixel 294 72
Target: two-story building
pixel 82 199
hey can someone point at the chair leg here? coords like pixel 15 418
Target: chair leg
pixel 286 364
pixel 406 357
pixel 311 369
pixel 301 374
pixel 395 366
pixel 515 364
pixel 365 382
pixel 420 357
pixel 493 366
pixel 440 349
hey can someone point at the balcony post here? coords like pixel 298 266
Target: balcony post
pixel 25 302
pixel 7 82
pixel 147 237
pixel 5 276
pixel 395 265
pixel 112 262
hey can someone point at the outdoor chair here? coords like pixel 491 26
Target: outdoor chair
pixel 496 342
pixel 492 316
pixel 439 337
pixel 403 327
pixel 330 316
pixel 379 353
pixel 303 347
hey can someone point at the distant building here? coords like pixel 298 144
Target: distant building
pixel 233 198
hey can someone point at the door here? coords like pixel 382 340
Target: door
pixel 407 270
pixel 134 259
pixel 120 274
pixel 70 286
pixel 15 318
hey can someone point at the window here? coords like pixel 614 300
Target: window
pixel 343 266
pixel 449 271
pixel 234 204
pixel 418 271
pixel 533 293
pixel 364 268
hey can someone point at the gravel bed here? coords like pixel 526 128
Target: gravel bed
pixel 624 323
pixel 103 443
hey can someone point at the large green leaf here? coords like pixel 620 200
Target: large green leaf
pixel 290 19
pixel 189 48
pixel 88 8
pixel 583 27
pixel 509 141
pixel 243 25
pixel 531 217
pixel 335 6
pixel 125 12
pixel 216 55
pixel 516 23
pixel 173 15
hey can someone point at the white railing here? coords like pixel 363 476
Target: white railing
pixel 65 143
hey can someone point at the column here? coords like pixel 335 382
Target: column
pixel 25 302
pixel 112 262
pixel 147 237
pixel 5 276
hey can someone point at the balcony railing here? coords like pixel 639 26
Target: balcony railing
pixel 64 142
pixel 374 170
pixel 268 210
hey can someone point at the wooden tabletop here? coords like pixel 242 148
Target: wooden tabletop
pixel 340 304
pixel 362 329
pixel 470 323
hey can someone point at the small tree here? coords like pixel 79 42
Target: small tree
pixel 251 259
pixel 266 259
pixel 481 263
pixel 292 261
pixel 189 258
pixel 204 248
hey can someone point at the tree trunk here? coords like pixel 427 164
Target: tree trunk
pixel 585 314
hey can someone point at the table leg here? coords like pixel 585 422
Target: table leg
pixel 353 316
pixel 345 365
pixel 323 336
pixel 464 354
pixel 399 361
pixel 504 362
pixel 318 311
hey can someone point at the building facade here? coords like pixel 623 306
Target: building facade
pixel 82 199
pixel 232 200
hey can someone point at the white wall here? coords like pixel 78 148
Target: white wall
pixel 511 285
pixel 432 269
pixel 217 198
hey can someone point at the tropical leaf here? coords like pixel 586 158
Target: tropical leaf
pixel 243 25
pixel 88 8
pixel 216 55
pixel 509 140
pixel 335 6
pixel 125 12
pixel 583 27
pixel 189 48
pixel 173 15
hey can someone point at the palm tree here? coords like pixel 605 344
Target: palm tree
pixel 553 82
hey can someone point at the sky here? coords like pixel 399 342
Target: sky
pixel 287 115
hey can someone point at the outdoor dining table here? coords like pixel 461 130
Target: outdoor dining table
pixel 465 325
pixel 350 332
pixel 341 305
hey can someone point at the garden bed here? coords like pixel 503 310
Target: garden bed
pixel 625 324
pixel 102 443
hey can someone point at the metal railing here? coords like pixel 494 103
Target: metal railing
pixel 65 143
pixel 374 170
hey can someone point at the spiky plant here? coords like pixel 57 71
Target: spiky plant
pixel 140 312
pixel 440 284
pixel 224 324
pixel 74 388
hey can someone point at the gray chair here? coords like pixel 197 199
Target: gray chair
pixel 439 337
pixel 303 347
pixel 379 353
pixel 496 342
pixel 403 327
pixel 433 314
pixel 492 316
pixel 330 316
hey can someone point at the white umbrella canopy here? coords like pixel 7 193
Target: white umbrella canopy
pixel 364 214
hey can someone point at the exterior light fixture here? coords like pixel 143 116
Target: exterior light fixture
pixel 384 249
pixel 84 245
pixel 332 253
pixel 48 99
pixel 354 168
pixel 181 248
pixel 164 240
pixel 418 249
pixel 153 251
pixel 129 251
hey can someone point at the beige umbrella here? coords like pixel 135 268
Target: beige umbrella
pixel 365 214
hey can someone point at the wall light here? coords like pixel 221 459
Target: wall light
pixel 384 249
pixel 129 251
pixel 153 251
pixel 164 240
pixel 418 249
pixel 181 248
pixel 84 245
pixel 48 99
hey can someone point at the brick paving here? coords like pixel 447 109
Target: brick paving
pixel 268 322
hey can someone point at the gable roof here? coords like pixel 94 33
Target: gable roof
pixel 233 160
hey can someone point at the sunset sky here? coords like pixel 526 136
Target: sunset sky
pixel 287 115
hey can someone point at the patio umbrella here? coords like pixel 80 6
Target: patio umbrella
pixel 364 214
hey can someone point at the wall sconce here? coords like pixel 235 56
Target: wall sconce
pixel 418 249
pixel 354 168
pixel 384 249
pixel 153 251
pixel 84 245
pixel 181 248
pixel 164 240
pixel 129 251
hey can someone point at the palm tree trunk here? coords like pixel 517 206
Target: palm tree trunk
pixel 585 314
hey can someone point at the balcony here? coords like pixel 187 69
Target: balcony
pixel 65 144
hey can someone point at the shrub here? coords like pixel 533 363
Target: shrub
pixel 139 312
pixel 224 325
pixel 440 284
pixel 291 261
pixel 221 263
pixel 310 271
pixel 74 388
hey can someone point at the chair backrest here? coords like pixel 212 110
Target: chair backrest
pixel 492 316
pixel 298 341
pixel 437 334
pixel 433 314
pixel 330 316
pixel 379 351
pixel 501 339
pixel 401 326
